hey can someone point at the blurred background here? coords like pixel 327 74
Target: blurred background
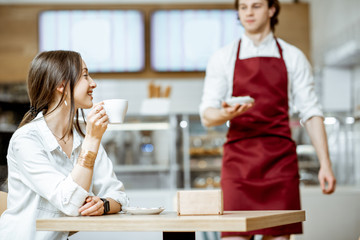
pixel 154 54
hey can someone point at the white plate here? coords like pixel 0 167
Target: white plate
pixel 240 100
pixel 142 211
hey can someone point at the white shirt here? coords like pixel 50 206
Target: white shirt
pixel 218 84
pixel 40 184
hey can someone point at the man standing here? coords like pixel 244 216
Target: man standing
pixel 260 167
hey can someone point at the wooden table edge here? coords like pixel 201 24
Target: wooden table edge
pixel 181 224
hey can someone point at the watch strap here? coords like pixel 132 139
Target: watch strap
pixel 106 205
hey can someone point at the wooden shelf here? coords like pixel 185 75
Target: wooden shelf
pixel 142 168
pixel 138 126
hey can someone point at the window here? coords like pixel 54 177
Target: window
pixel 108 40
pixel 183 40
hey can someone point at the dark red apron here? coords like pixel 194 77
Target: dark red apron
pixel 260 168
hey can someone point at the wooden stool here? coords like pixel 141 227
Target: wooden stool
pixel 3 201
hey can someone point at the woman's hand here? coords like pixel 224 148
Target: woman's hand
pixel 93 206
pixel 97 121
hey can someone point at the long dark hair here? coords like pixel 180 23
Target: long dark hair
pixel 47 72
pixel 271 3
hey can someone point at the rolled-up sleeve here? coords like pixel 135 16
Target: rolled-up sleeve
pixel 105 182
pixel 73 196
pixel 37 172
pixel 303 89
pixel 215 85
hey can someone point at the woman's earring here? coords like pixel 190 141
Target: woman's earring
pixel 65 99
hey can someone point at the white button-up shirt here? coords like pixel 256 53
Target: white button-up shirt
pixel 40 184
pixel 218 84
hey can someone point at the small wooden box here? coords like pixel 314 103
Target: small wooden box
pixel 200 202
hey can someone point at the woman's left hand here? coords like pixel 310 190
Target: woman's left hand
pixel 93 206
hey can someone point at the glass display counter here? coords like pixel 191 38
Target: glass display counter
pixel 204 147
pixel 143 151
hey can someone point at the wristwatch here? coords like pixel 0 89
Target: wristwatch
pixel 106 205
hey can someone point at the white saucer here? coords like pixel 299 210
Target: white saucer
pixel 142 211
pixel 240 100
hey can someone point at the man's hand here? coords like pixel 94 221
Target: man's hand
pixel 235 110
pixel 218 116
pixel 327 180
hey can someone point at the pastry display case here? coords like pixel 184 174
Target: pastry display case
pixel 203 151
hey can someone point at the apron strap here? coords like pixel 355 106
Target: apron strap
pixel 280 49
pixel 238 51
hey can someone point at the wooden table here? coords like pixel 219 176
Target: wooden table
pixel 174 226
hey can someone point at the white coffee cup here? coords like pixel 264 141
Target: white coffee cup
pixel 116 109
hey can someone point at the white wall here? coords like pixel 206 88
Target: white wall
pixel 336 86
pixel 356 86
pixel 185 94
pixel 356 92
pixel 331 23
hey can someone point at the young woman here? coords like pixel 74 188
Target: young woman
pixel 260 169
pixel 55 169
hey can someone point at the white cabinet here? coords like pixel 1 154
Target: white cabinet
pixel 334 216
